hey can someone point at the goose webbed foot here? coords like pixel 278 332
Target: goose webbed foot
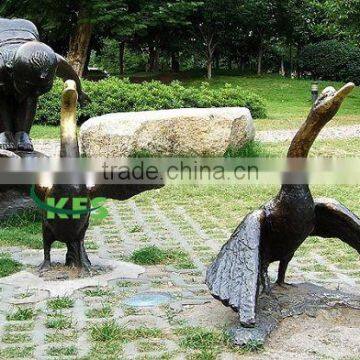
pixel 23 142
pixel 45 266
pixel 285 285
pixel 7 141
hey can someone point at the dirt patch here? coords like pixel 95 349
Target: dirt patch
pixel 334 333
pixel 312 323
pixel 211 315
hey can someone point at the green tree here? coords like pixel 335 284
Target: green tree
pixel 299 22
pixel 259 19
pixel 70 21
pixel 346 15
pixel 213 20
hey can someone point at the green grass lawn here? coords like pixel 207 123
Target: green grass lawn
pixel 287 100
pixel 23 230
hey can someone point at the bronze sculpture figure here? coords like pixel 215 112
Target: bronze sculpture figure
pixel 275 232
pixel 72 231
pixel 27 71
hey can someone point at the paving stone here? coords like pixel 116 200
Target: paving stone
pixel 149 321
pixel 132 225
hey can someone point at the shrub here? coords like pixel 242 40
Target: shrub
pixel 332 60
pixel 115 95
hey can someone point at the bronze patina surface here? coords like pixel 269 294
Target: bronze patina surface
pixel 28 68
pixel 277 229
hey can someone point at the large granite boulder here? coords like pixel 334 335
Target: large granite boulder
pixel 193 132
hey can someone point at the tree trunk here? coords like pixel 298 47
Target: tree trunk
pixel 87 62
pixel 122 45
pixel 259 63
pixel 209 69
pixel 157 59
pixel 291 60
pixel 297 65
pixel 154 55
pixel 151 58
pixel 79 43
pixel 282 67
pixel 210 57
pixel 217 61
pixel 175 64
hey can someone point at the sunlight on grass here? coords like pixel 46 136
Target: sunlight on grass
pixel 45 132
pixel 321 148
pixel 24 230
pixel 295 123
pixel 285 98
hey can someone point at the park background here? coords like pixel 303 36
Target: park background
pixel 160 54
pixel 265 52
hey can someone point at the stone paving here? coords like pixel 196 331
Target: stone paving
pixel 335 132
pixel 95 322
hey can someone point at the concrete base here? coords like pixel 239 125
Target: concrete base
pixel 284 302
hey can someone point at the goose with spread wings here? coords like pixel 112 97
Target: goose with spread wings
pixel 276 230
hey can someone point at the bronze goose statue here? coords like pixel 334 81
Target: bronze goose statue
pixel 276 230
pixel 72 231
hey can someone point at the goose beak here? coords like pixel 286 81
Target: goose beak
pixel 330 97
pixel 345 91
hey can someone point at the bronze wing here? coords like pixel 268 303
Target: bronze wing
pixel 334 220
pixel 233 277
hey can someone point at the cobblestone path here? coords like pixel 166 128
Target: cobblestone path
pixel 97 323
pixel 335 132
